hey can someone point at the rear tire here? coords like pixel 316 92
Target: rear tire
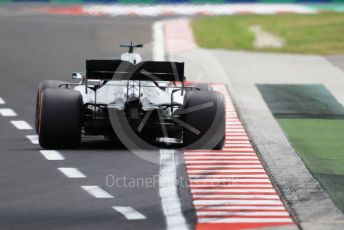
pixel 60 118
pixel 208 122
pixel 220 145
pixel 203 87
pixel 42 86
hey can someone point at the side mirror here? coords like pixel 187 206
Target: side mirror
pixel 78 75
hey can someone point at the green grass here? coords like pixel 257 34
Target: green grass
pixel 320 144
pixel 311 34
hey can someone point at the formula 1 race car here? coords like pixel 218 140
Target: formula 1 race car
pixel 130 100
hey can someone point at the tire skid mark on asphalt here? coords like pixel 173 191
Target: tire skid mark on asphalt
pixel 230 187
pixel 21 125
pixel 129 213
pixel 7 112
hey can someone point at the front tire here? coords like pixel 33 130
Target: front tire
pixel 60 118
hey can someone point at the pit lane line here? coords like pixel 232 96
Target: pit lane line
pixel 128 212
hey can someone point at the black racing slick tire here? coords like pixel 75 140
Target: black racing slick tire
pixel 60 118
pixel 220 145
pixel 42 86
pixel 203 115
pixel 203 87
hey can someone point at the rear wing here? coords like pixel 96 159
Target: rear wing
pixel 143 71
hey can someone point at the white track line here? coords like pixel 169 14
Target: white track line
pixel 33 139
pixel 22 125
pixel 8 113
pixel 245 220
pixel 2 102
pixel 52 155
pixel 129 213
pixel 72 172
pixel 159 43
pixel 171 205
pixel 96 191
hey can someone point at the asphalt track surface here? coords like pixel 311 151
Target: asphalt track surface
pixel 34 194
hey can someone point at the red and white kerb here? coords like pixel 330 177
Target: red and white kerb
pixel 230 187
